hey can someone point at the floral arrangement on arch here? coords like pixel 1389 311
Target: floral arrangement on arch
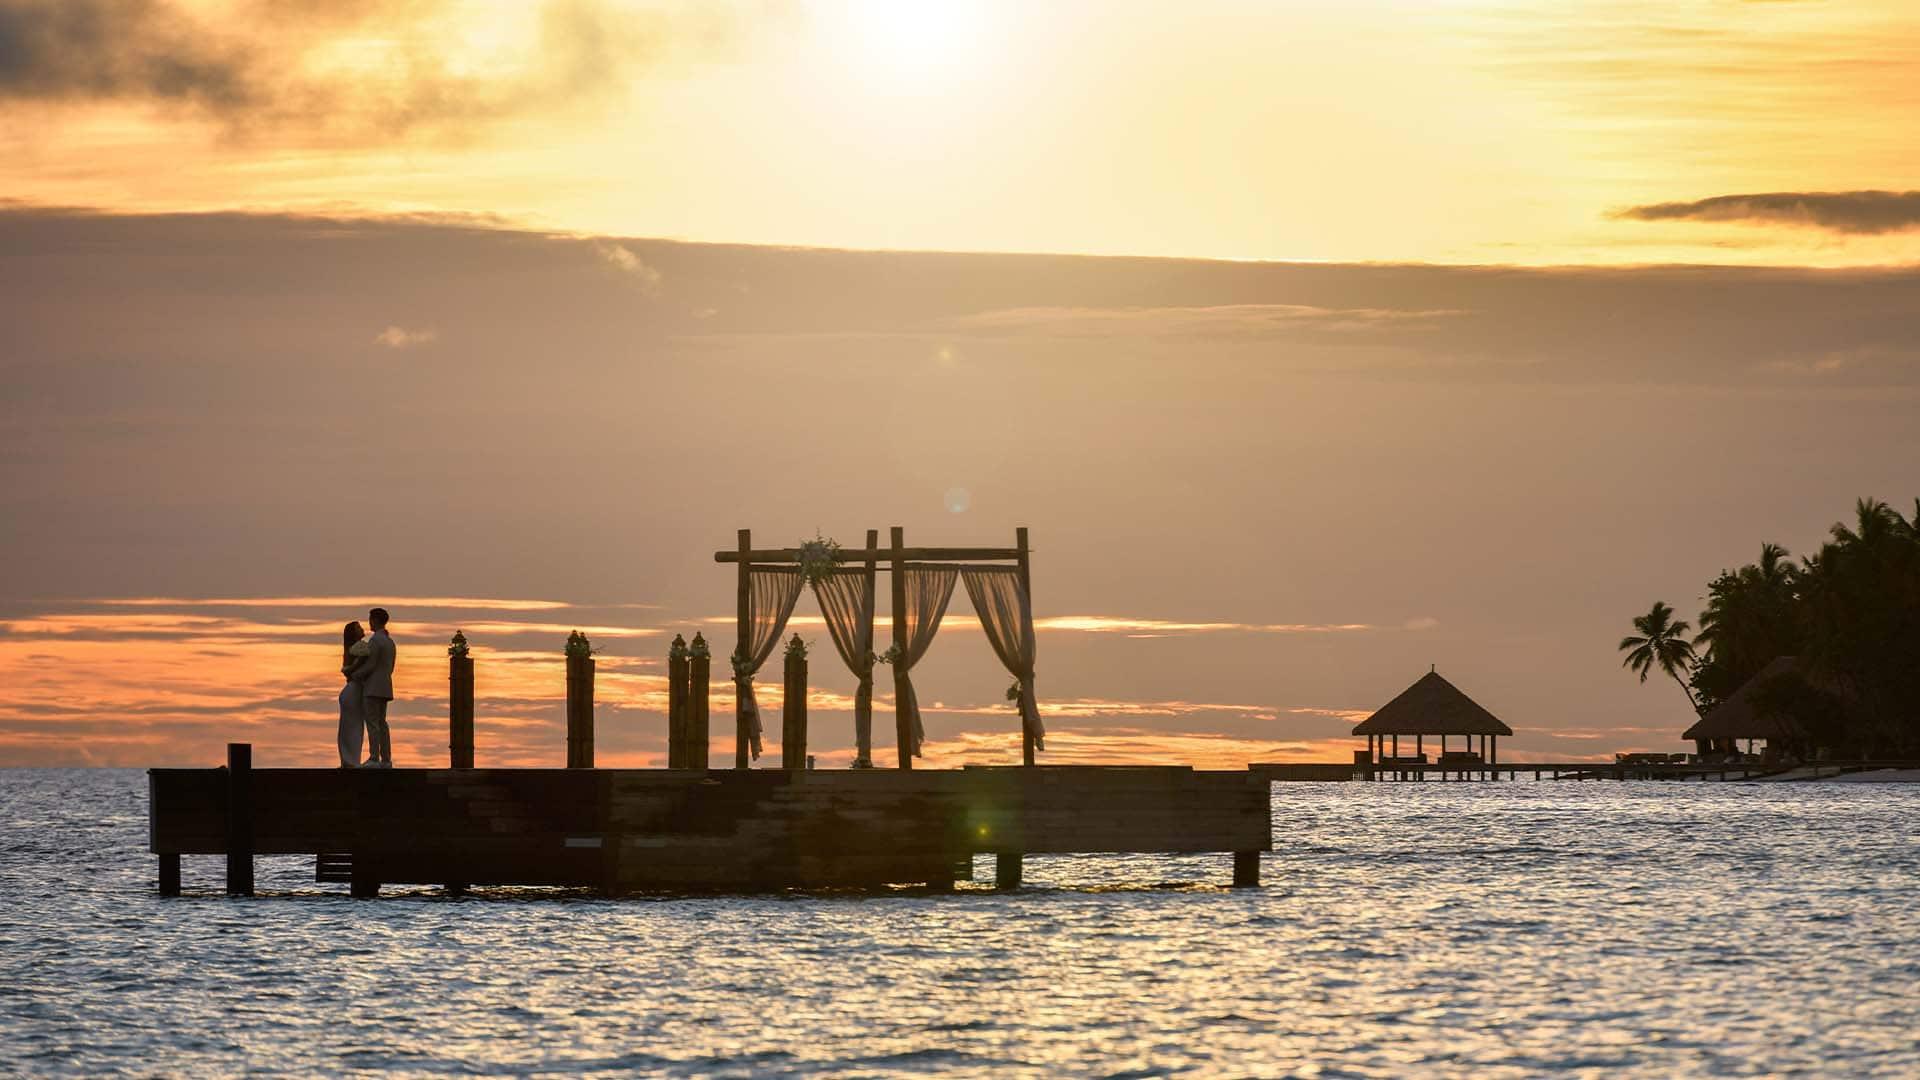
pixel 818 557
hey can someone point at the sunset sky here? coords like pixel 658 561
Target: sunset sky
pixel 1316 343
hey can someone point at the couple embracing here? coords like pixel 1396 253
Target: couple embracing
pixel 367 663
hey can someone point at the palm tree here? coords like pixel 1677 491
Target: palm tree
pixel 1662 643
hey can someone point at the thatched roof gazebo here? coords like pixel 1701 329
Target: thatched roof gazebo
pixel 1742 715
pixel 1432 706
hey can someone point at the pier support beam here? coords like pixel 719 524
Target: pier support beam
pixel 169 873
pixel 1006 870
pixel 1246 869
pixel 239 820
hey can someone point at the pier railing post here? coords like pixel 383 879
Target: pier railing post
pixel 678 677
pixel 239 819
pixel 699 686
pixel 459 703
pixel 793 707
pixel 579 702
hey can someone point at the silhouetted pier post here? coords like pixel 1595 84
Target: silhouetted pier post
pixel 1007 869
pixel 169 873
pixel 459 702
pixel 1246 869
pixel 699 690
pixel 579 701
pixel 678 678
pixel 239 821
pixel 793 707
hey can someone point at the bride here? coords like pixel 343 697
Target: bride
pixel 353 725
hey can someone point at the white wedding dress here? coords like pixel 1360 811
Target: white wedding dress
pixel 353 721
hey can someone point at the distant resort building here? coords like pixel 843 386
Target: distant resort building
pixel 1432 706
pixel 1743 716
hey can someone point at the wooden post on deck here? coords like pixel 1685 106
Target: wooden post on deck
pixel 793 707
pixel 459 703
pixel 678 680
pixel 1026 617
pixel 743 609
pixel 699 679
pixel 579 702
pixel 239 819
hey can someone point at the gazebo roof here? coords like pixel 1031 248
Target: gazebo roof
pixel 1432 706
pixel 1740 716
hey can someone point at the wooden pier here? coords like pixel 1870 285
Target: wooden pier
pixel 1416 771
pixel 637 830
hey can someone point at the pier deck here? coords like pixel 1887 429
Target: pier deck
pixel 622 830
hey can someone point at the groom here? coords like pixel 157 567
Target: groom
pixel 376 679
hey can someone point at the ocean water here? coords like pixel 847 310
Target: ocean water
pixel 1484 930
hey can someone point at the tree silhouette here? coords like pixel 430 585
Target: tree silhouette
pixel 1661 643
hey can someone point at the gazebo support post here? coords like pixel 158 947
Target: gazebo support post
pixel 1026 619
pixel 744 619
pixel 897 537
pixel 866 592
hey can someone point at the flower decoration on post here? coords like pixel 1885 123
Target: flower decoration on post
pixel 458 646
pixel 1013 692
pixel 678 650
pixel 577 645
pixel 818 557
pixel 796 648
pixel 742 666
pixel 892 654
pixel 700 649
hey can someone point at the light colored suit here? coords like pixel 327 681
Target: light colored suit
pixel 376 680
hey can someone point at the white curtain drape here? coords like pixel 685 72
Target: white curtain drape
pixel 928 589
pixel 771 593
pixel 847 605
pixel 1008 620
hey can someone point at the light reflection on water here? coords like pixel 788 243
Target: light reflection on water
pixel 1464 929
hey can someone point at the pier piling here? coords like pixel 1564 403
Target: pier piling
pixel 239 822
pixel 1246 869
pixel 169 873
pixel 1006 870
pixel 678 679
pixel 793 708
pixel 699 688
pixel 579 706
pixel 460 708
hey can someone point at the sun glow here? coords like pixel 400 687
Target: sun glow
pixel 908 40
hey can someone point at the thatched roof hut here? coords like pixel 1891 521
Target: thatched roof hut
pixel 1433 706
pixel 1741 715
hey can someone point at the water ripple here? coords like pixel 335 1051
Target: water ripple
pixel 1506 930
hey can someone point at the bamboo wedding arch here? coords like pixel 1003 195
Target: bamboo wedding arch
pixel 843 580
